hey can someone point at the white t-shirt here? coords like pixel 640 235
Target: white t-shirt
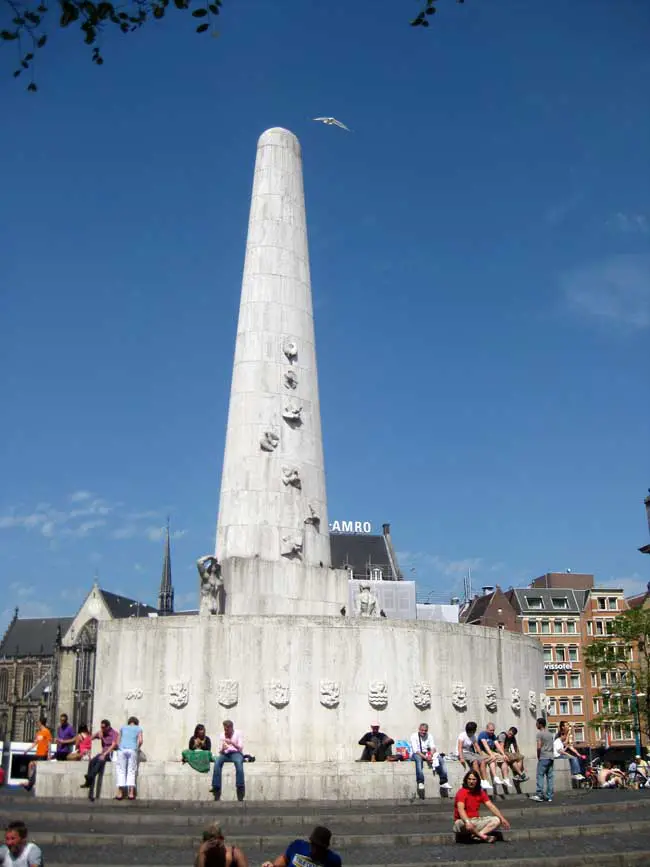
pixel 422 744
pixel 468 742
pixel 31 856
pixel 558 748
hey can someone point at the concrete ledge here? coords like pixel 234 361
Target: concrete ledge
pixel 266 781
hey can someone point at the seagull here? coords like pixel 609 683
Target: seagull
pixel 332 121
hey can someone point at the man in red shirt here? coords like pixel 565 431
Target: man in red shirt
pixel 467 803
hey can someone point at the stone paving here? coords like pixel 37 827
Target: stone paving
pixel 601 828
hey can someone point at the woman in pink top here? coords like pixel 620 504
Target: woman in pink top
pixel 83 744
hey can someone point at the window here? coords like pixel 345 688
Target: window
pixel 532 626
pixel 594 678
pixel 560 652
pixel 549 681
pixel 576 705
pixel 552 707
pixel 613 677
pixel 571 627
pixel 4 724
pixel 596 705
pixel 561 681
pixel 611 603
pixel 4 684
pixel 573 654
pixel 623 676
pixel 559 602
pixel 535 602
pixel 376 575
pixel 601 603
pixel 548 653
pixel 628 734
pixel 603 678
pixel 546 627
pixel 599 628
pixel 28 727
pixel 28 681
pixel 617 732
pixel 590 627
pixel 598 732
pixel 609 627
pixel 564 706
pixel 578 733
pixel 552 729
pixel 557 627
pixel 575 681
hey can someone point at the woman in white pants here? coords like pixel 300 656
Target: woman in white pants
pixel 129 742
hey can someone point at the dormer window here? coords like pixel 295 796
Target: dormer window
pixel 559 602
pixel 535 602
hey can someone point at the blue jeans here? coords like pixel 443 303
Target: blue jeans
pixel 545 768
pixel 576 766
pixel 238 761
pixel 419 769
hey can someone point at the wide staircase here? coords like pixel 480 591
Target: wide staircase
pixel 579 828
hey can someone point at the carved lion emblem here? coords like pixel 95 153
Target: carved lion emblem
pixel 421 694
pixel 228 692
pixel 491 698
pixel 179 694
pixel 378 694
pixel 278 693
pixel 515 700
pixel 330 693
pixel 459 696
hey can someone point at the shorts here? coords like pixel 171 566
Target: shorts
pixel 514 757
pixel 479 824
pixel 470 757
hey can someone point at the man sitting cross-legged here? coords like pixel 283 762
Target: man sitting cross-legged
pixel 466 811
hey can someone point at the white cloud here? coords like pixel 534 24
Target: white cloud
pixel 630 223
pixel 616 290
pixel 80 496
pixel 154 534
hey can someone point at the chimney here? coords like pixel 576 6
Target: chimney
pixel 487 590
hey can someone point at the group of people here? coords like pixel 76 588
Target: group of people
pixel 230 749
pixel 72 745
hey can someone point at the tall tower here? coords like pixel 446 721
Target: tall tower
pixel 166 593
pixel 272 527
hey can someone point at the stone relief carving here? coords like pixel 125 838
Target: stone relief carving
pixel 491 698
pixel 313 517
pixel 291 476
pixel 290 349
pixel 515 700
pixel 269 441
pixel 211 584
pixel 278 693
pixel 330 693
pixel 367 602
pixel 179 694
pixel 421 694
pixel 228 692
pixel 544 702
pixel 291 546
pixel 290 380
pixel 459 696
pixel 292 413
pixel 378 694
pixel 134 694
pixel 532 701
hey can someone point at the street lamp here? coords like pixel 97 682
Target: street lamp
pixel 637 720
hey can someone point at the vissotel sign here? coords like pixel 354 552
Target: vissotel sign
pixel 558 666
pixel 350 527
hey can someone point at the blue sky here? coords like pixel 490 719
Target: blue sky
pixel 480 251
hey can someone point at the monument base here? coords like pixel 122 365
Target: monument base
pixel 273 781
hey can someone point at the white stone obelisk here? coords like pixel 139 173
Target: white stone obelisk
pixel 273 505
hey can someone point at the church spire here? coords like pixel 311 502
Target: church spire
pixel 166 594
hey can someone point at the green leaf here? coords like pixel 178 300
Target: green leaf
pixel 8 35
pixel 41 42
pixel 158 11
pixel 29 57
pixel 181 4
pixel 33 18
pixel 202 28
pixel 70 14
pixel 199 13
pixel 213 8
pixel 42 8
pixel 17 73
pixel 32 87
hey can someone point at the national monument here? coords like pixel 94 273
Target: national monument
pixel 276 646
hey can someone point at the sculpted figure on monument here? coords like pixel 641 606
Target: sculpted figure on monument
pixel 330 693
pixel 291 351
pixel 515 700
pixel 459 696
pixel 179 694
pixel 313 517
pixel 278 693
pixel 228 692
pixel 290 380
pixel 211 584
pixel 269 441
pixel 378 694
pixel 367 602
pixel 292 413
pixel 291 546
pixel 421 695
pixel 291 476
pixel 532 701
pixel 491 698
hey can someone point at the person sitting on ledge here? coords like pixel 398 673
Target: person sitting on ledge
pixel 377 746
pixel 83 743
pixel 610 777
pixel 213 851
pixel 199 753
pixel 467 803
pixel 315 851
pixel 231 747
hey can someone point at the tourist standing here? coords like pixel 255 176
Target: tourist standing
pixel 107 736
pixel 376 744
pixel 213 851
pixel 315 851
pixel 231 746
pixel 41 744
pixel 129 742
pixel 467 804
pixel 65 739
pixel 545 763
pixel 17 850
pixel 423 749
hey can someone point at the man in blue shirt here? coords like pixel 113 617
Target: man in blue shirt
pixel 315 851
pixel 487 744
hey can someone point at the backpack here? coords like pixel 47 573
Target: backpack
pixel 403 750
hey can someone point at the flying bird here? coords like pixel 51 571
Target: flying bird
pixel 332 121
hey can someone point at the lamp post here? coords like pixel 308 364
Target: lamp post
pixel 637 720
